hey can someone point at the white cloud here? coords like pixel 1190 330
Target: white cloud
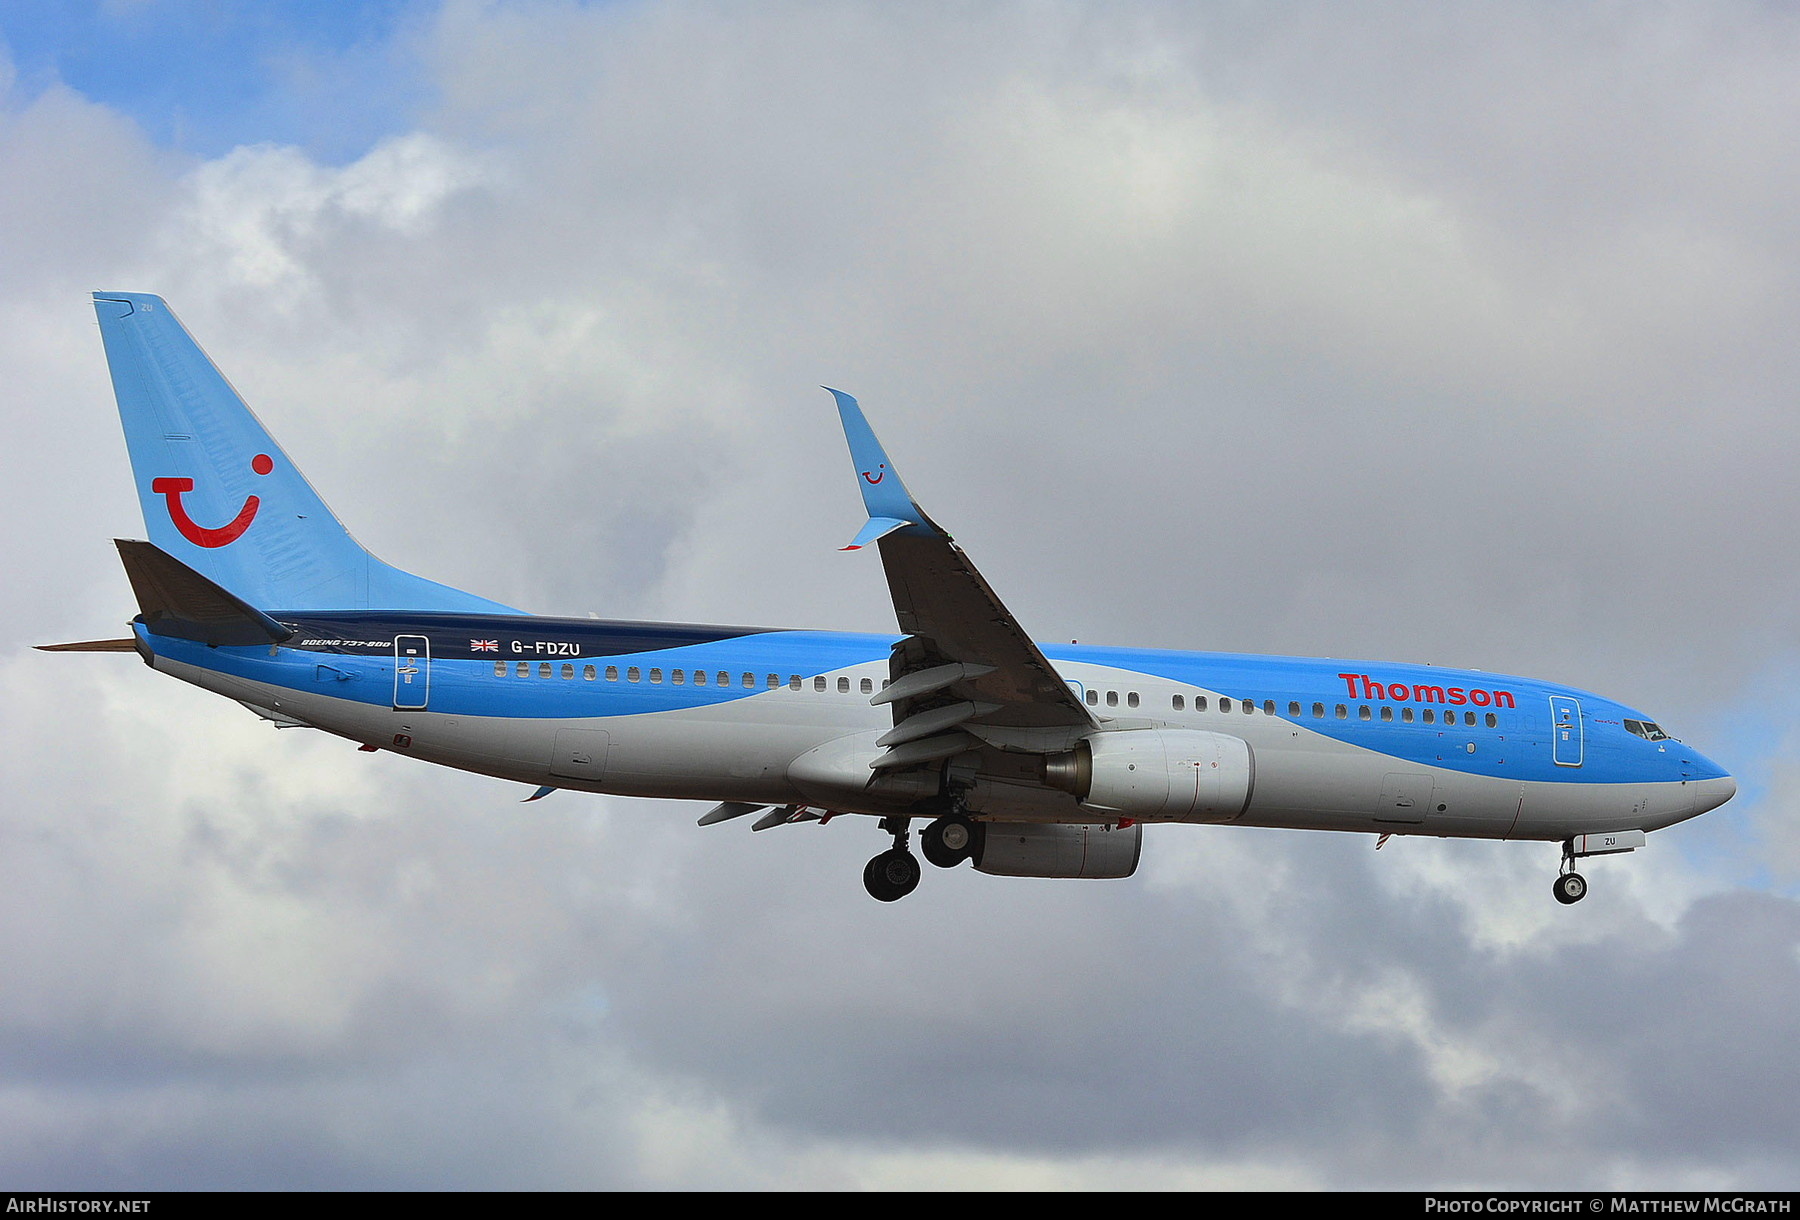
pixel 258 216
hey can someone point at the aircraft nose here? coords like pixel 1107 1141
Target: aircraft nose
pixel 1709 794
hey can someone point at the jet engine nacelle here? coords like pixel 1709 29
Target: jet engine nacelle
pixel 1034 849
pixel 1159 775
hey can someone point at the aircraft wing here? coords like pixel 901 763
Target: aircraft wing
pixel 965 668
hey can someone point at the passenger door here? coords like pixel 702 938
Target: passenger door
pixel 412 671
pixel 1565 731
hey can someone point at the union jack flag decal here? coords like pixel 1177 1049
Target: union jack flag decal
pixel 484 645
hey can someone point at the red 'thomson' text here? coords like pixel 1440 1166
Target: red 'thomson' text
pixel 1400 692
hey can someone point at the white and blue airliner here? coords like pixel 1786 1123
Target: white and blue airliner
pixel 1027 759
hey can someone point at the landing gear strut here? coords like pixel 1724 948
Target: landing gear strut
pixel 1570 885
pixel 893 874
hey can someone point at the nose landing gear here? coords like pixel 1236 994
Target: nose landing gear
pixel 1571 886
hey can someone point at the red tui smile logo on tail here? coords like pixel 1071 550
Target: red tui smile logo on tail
pixel 171 489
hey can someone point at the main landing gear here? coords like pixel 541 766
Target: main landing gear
pixel 946 842
pixel 893 874
pixel 950 840
pixel 1571 886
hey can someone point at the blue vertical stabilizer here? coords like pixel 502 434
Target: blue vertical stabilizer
pixel 219 494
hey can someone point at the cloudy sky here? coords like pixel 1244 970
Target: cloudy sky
pixel 1428 332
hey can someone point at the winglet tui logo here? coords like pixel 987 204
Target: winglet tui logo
pixel 224 535
pixel 874 478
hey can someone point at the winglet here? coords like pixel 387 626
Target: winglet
pixel 891 506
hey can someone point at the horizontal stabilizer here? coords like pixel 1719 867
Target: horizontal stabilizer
pixel 178 601
pixel 127 645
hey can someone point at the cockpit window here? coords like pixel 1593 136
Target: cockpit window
pixel 1647 730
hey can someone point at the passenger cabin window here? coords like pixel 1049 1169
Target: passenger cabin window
pixel 1492 720
pixel 1387 713
pixel 524 669
pixel 1343 713
pixel 1199 703
pixel 1362 713
pixel 724 678
pixel 612 673
pixel 632 674
pixel 656 676
pixel 1131 699
pixel 589 673
pixel 699 677
pixel 1406 715
pixel 794 682
pixel 843 686
pixel 1112 698
pixel 543 669
pixel 1176 702
pixel 868 686
pixel 1294 707
pixel 818 684
pixel 1093 698
pixel 677 676
pixel 1224 704
pixel 499 669
pixel 568 670
pixel 1318 711
pixel 749 681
